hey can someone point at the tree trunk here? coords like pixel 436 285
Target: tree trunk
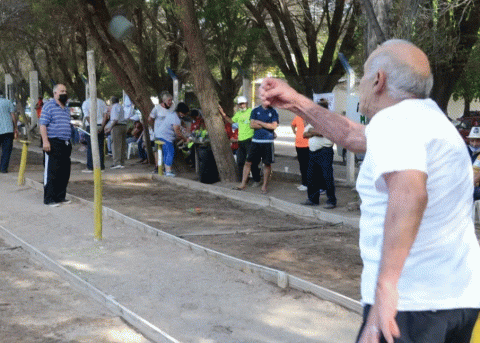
pixel 205 91
pixel 119 60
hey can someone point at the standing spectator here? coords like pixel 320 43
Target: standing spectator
pixel 245 134
pixel 102 119
pixel 56 131
pixel 264 120
pixel 157 116
pixel 8 131
pixel 301 146
pixel 118 129
pixel 420 255
pixel 169 130
pixel 320 169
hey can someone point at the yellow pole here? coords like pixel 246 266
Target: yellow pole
pixel 476 332
pixel 97 202
pixel 97 172
pixel 23 163
pixel 160 157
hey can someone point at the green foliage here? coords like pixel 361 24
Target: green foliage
pixel 468 86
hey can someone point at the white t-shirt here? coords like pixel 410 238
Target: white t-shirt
pixel 316 143
pixel 166 129
pixel 442 270
pixel 101 110
pixel 159 113
pixel 116 113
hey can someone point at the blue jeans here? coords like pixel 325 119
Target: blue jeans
pixel 6 141
pixel 320 175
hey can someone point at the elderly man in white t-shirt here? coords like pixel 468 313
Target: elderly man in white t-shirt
pixel 421 275
pixel 158 115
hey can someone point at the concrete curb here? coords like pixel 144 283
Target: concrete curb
pixel 275 276
pixel 146 328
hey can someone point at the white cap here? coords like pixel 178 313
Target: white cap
pixel 474 132
pixel 241 100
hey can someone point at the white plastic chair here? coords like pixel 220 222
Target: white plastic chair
pixel 132 149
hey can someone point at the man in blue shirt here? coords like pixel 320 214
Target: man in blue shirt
pixel 56 131
pixel 264 120
pixel 8 131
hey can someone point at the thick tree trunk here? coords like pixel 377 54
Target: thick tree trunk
pixel 205 91
pixel 119 60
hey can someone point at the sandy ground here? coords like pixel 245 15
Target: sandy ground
pixel 193 298
pixel 36 305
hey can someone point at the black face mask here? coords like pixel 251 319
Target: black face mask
pixel 63 98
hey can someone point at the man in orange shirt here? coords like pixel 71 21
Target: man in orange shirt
pixel 301 145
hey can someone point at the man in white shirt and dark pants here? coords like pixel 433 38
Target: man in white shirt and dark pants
pixel 421 276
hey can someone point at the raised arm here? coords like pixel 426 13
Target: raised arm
pixel 333 126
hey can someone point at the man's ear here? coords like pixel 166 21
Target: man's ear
pixel 380 82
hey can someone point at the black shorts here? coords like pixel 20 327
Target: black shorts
pixel 442 326
pixel 261 152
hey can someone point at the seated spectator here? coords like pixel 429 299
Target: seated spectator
pixel 474 151
pixel 197 121
pixel 232 134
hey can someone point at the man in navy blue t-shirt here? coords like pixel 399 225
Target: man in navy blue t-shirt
pixel 264 120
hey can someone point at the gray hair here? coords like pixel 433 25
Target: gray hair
pixel 166 95
pixel 403 82
pixel 55 88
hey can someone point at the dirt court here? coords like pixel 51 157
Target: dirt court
pixel 36 305
pixel 316 251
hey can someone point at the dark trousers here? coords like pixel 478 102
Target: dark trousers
pixel 101 143
pixel 442 326
pixel 6 141
pixel 303 155
pixel 242 152
pixel 320 175
pixel 141 150
pixel 57 171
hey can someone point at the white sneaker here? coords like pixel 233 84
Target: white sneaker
pixel 53 204
pixel 117 167
pixel 302 188
pixel 87 171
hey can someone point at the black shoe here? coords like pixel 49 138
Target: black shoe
pixel 309 203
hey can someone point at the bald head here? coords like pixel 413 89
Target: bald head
pixel 406 67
